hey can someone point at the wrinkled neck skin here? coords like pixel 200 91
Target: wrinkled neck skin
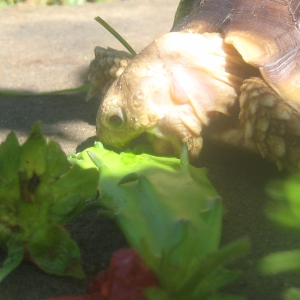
pixel 172 89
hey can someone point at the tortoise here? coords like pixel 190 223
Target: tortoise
pixel 228 70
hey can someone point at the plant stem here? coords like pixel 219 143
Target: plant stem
pixel 116 35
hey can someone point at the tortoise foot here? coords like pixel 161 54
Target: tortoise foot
pixel 108 65
pixel 270 124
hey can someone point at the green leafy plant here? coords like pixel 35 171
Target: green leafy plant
pixel 171 214
pixel 286 212
pixel 39 192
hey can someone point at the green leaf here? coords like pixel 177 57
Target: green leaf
pixel 171 214
pixel 9 159
pixel 33 153
pixel 9 182
pixel 209 276
pixel 154 293
pixel 71 191
pixel 286 208
pixel 96 160
pixel 14 258
pixel 83 88
pixel 280 262
pixel 54 252
pixel 292 294
pixel 56 162
pixel 221 277
pixel 116 35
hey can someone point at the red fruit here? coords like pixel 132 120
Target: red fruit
pixel 126 277
pixel 97 282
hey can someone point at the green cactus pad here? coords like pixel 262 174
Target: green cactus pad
pixel 170 213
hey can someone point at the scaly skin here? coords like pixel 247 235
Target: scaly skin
pixel 268 125
pixel 172 89
pixel 108 65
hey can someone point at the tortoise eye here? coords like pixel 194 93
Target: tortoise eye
pixel 116 119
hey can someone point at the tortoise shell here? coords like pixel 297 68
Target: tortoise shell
pixel 265 33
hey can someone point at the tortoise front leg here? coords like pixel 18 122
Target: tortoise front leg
pixel 268 125
pixel 107 66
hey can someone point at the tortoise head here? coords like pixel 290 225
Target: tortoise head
pixel 131 105
pixel 171 89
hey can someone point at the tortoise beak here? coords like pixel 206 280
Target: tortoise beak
pixel 117 139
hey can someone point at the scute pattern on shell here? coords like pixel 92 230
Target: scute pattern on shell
pixel 265 32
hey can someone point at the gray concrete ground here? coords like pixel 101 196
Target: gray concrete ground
pixel 49 48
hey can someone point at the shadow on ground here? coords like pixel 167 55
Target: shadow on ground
pixel 46 57
pixel 66 118
pixel 239 177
